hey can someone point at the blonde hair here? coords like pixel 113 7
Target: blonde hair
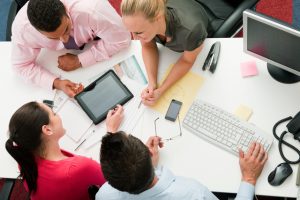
pixel 149 8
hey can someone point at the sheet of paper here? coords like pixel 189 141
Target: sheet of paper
pixel 74 120
pixel 248 68
pixel 184 90
pixel 243 112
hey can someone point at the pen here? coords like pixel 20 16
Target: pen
pixel 80 144
pixel 140 104
pixel 84 140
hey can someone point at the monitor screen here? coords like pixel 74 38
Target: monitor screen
pixel 274 42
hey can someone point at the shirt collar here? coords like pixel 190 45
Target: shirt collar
pixel 165 179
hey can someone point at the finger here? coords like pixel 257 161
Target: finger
pixel 149 102
pixel 261 153
pixel 146 103
pixel 150 142
pixel 118 110
pixel 71 93
pixel 80 89
pixel 150 91
pixel 251 149
pixel 109 114
pixel 264 160
pixel 256 150
pixel 70 83
pixel 160 142
pixel 241 154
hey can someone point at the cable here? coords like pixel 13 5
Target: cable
pixel 281 141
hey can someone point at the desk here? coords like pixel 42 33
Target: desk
pixel 188 156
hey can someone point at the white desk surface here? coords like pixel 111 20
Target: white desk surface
pixel 188 156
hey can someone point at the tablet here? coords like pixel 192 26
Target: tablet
pixel 102 95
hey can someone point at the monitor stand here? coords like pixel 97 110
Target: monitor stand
pixel 282 75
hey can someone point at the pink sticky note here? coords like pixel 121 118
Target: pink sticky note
pixel 249 68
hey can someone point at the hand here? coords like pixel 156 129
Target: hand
pixel 153 98
pixel 153 143
pixel 68 87
pixel 148 91
pixel 68 62
pixel 114 118
pixel 252 162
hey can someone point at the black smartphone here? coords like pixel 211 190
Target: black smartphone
pixel 173 110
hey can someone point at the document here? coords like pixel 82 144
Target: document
pixel 184 90
pixel 74 120
pixel 131 68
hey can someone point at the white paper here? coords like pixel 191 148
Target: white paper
pixel 75 120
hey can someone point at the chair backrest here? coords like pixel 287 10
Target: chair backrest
pixel 7 189
pixel 20 3
pixel 225 16
pixel 92 190
pixel 8 10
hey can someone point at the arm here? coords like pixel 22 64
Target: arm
pixel 153 143
pixel 150 58
pixel 180 68
pixel 251 165
pixel 24 63
pixel 114 118
pixel 107 25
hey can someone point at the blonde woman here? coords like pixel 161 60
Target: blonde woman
pixel 179 25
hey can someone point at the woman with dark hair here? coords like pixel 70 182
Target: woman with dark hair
pixel 48 171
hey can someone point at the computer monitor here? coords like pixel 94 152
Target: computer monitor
pixel 275 42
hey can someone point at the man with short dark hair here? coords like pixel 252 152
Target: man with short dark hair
pixel 70 24
pixel 130 174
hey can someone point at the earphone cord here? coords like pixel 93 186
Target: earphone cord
pixel 281 141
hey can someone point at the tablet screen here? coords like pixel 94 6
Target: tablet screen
pixel 102 95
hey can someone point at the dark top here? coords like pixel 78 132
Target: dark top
pixel 186 24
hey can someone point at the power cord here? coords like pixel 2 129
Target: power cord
pixel 281 142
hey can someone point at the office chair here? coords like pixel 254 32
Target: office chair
pixel 92 190
pixel 8 10
pixel 20 3
pixel 225 16
pixel 7 189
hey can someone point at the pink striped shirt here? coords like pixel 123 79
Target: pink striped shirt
pixel 89 18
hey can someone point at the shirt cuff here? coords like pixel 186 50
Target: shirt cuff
pixel 47 81
pixel 86 58
pixel 246 191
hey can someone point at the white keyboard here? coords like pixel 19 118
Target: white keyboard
pixel 223 129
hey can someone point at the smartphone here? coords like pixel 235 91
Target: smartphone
pixel 173 110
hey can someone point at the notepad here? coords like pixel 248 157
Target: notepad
pixel 249 69
pixel 243 112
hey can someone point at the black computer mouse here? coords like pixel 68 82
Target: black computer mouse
pixel 279 174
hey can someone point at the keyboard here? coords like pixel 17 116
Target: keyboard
pixel 223 129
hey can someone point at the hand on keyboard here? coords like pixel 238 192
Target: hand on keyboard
pixel 252 162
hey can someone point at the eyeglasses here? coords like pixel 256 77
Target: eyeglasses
pixel 171 138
